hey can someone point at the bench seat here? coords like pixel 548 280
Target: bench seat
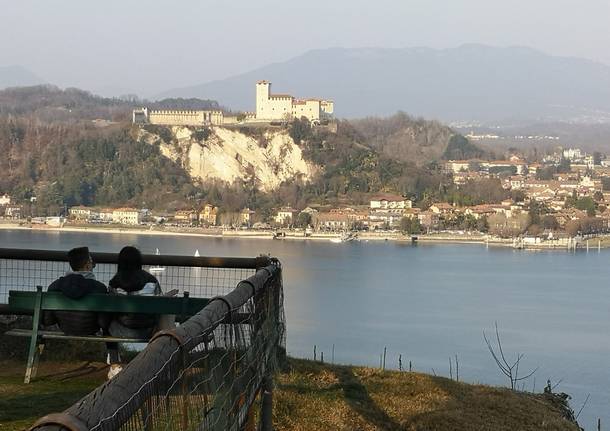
pixel 58 335
pixel 37 302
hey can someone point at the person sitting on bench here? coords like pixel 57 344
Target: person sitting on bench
pixel 131 279
pixel 76 284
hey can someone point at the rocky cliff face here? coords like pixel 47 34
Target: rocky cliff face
pixel 266 157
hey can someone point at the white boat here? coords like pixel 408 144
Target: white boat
pixel 157 268
pixel 197 253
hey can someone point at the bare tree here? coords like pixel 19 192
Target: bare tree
pixel 510 370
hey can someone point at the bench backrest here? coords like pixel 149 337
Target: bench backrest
pixel 185 306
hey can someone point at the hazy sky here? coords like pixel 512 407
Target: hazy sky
pixel 115 47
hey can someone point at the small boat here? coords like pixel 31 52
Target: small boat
pixel 157 268
pixel 197 253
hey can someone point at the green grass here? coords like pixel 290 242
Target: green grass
pixel 58 386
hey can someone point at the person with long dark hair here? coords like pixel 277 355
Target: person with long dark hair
pixel 131 279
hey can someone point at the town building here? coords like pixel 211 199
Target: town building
pixel 246 217
pixel 441 208
pixel 333 221
pixel 105 215
pixel 130 216
pixel 208 215
pixel 389 201
pixel 80 213
pixel 285 216
pixel 5 200
pixel 187 217
pixel 13 212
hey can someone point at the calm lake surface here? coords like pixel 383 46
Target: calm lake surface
pixel 426 302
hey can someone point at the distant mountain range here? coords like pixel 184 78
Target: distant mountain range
pixel 18 76
pixel 471 83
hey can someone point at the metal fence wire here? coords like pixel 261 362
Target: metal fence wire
pixel 202 277
pixel 204 375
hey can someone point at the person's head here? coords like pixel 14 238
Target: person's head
pixel 130 259
pixel 80 259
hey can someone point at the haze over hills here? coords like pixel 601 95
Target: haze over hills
pixel 471 83
pixel 18 76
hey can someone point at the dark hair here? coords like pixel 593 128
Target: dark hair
pixel 78 258
pixel 129 275
pixel 130 260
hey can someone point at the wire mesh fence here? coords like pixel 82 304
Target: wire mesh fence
pixel 207 374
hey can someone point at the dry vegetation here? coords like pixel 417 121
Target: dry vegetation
pixel 311 397
pixel 315 397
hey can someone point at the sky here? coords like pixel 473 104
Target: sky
pixel 114 47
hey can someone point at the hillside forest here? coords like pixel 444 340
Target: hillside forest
pixel 57 150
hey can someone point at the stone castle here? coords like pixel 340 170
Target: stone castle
pixel 269 108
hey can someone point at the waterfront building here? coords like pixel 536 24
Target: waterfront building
pixel 185 217
pixel 80 213
pixel 129 216
pixel 13 212
pixel 208 215
pixel 285 215
pixel 246 217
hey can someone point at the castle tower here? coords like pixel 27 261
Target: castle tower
pixel 263 89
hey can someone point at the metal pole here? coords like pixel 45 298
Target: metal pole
pixel 267 405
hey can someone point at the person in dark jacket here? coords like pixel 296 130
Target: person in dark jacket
pixel 131 279
pixel 76 284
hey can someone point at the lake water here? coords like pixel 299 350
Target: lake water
pixel 425 302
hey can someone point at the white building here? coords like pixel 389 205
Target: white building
pixel 5 200
pixel 81 212
pixel 573 154
pixel 388 201
pixel 126 216
pixel 270 107
pixel 285 216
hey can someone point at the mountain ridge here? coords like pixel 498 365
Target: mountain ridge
pixel 473 82
pixel 18 76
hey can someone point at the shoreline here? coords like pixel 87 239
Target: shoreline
pixel 598 242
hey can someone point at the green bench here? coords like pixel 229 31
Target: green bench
pixel 37 302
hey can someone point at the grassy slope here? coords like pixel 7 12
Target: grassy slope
pixel 314 397
pixel 58 386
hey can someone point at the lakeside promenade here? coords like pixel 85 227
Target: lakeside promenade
pixel 601 241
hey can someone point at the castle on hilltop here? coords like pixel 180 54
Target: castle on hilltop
pixel 269 108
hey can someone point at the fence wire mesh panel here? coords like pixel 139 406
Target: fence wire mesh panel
pixel 195 277
pixel 204 375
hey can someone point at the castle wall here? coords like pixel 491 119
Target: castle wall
pixel 185 118
pixel 327 106
pixel 307 108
